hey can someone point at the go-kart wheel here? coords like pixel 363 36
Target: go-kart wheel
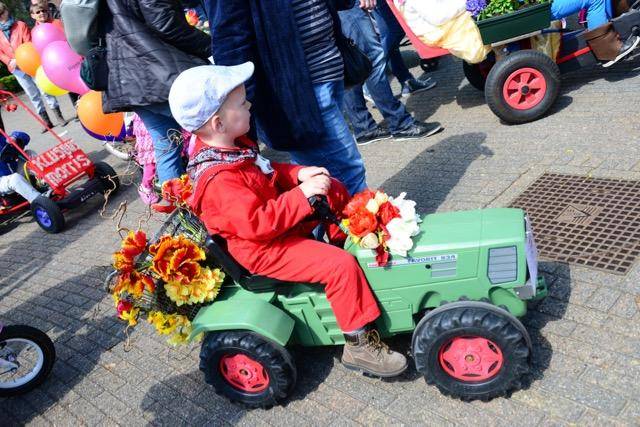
pixel 247 368
pixel 472 350
pixel 107 176
pixel 47 214
pixel 429 65
pixel 523 86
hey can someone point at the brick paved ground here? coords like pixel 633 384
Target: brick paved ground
pixel 585 333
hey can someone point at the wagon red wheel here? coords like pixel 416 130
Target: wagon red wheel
pixel 244 373
pixel 524 88
pixel 471 358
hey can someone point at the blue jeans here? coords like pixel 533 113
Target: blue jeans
pixel 167 142
pixel 357 25
pixel 391 35
pixel 596 10
pixel 34 94
pixel 338 151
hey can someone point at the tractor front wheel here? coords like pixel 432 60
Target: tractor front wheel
pixel 247 368
pixel 523 86
pixel 472 350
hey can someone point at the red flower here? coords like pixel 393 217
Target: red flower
pixel 123 306
pixel 362 223
pixel 382 256
pixel 387 212
pixel 177 190
pixel 358 202
pixel 134 244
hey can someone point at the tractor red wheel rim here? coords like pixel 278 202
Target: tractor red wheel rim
pixel 524 88
pixel 244 373
pixel 471 359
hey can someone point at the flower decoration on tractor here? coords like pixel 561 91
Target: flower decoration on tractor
pixel 385 224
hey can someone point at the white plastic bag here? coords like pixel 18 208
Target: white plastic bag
pixel 433 12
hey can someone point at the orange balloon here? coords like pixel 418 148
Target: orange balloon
pixel 93 117
pixel 27 58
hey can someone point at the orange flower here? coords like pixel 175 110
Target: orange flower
pixel 134 283
pixel 134 244
pixel 175 259
pixel 123 262
pixel 358 202
pixel 387 212
pixel 177 190
pixel 362 223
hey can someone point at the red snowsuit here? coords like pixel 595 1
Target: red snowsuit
pixel 264 219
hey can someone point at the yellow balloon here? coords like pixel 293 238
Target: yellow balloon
pixel 45 84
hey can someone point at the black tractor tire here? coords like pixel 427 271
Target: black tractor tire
pixel 47 214
pixel 275 361
pixel 41 340
pixel 543 65
pixel 108 176
pixel 429 65
pixel 474 75
pixel 503 333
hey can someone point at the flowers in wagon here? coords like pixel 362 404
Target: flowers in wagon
pixel 376 221
pixel 159 280
pixel 177 190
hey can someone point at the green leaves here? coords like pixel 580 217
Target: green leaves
pixel 502 7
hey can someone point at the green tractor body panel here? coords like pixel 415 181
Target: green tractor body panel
pixel 237 309
pixel 477 255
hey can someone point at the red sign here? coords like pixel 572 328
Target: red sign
pixel 61 164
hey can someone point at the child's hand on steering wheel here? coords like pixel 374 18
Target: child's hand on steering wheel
pixel 317 185
pixel 311 171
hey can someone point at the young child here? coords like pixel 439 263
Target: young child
pixel 10 181
pixel 262 208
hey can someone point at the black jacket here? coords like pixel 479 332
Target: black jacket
pixel 149 43
pixel 285 110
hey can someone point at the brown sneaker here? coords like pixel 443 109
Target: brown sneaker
pixel 368 354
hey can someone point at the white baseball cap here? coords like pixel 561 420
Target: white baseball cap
pixel 199 92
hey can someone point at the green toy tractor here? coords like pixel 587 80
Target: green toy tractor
pixel 460 292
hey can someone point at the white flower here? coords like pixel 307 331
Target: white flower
pixel 370 241
pixel 372 206
pixel 381 197
pixel 407 208
pixel 400 233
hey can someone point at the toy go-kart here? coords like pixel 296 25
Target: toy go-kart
pixel 460 292
pixel 64 175
pixel 523 84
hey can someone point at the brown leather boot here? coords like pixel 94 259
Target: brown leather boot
pixel 365 352
pixel 59 117
pixel 604 42
pixel 45 117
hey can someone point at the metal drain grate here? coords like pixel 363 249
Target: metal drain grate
pixel 588 221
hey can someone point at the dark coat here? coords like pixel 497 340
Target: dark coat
pixel 285 110
pixel 149 43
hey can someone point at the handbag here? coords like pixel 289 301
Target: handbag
pixel 94 70
pixel 357 65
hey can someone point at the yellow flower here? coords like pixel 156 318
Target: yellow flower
pixel 182 332
pixel 177 292
pixel 131 316
pixel 206 286
pixel 165 324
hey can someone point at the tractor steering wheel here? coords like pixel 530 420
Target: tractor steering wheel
pixel 321 208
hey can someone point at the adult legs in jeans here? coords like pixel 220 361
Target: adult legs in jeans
pixel 357 25
pixel 391 35
pixel 33 92
pixel 337 151
pixel 596 10
pixel 167 143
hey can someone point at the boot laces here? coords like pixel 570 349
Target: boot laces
pixel 373 340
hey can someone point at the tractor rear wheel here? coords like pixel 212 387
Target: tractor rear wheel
pixel 523 86
pixel 247 368
pixel 472 350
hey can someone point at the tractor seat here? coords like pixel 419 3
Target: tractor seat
pixel 216 247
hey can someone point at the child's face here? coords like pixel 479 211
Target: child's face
pixel 234 114
pixel 40 15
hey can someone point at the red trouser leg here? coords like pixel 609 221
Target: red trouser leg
pixel 298 259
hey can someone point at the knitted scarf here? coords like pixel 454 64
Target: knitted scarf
pixel 6 27
pixel 211 156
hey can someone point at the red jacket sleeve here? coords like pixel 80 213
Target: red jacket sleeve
pixel 287 174
pixel 230 206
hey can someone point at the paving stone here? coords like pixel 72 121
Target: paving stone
pixel 627 306
pixel 549 403
pixel 603 299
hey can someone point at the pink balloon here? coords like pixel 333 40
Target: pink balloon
pixel 43 34
pixel 62 65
